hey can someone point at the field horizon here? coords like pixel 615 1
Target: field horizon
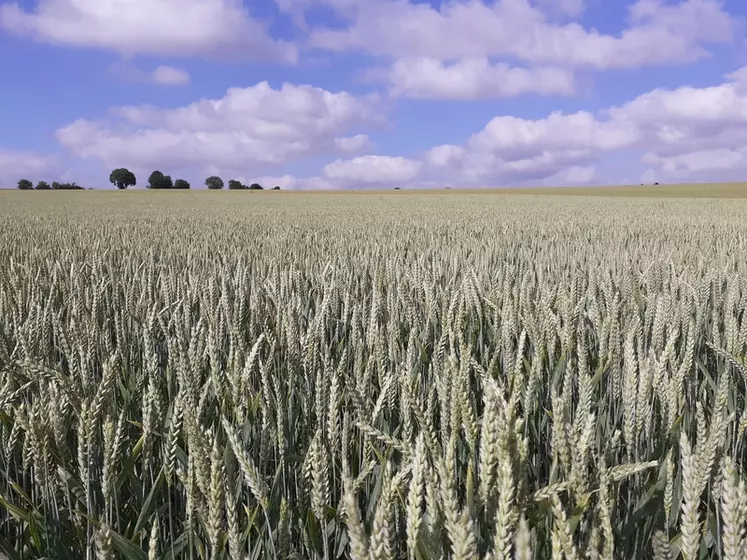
pixel 677 190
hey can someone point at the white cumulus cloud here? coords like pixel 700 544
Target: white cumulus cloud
pixel 657 32
pixel 368 170
pixel 510 149
pixel 248 128
pixel 355 143
pixel 692 133
pixel 473 78
pixel 679 134
pixel 469 49
pixel 212 28
pixel 18 164
pixel 684 134
pixel 170 76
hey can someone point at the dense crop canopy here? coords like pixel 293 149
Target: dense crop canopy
pixel 372 376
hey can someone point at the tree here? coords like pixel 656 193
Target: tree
pixel 66 186
pixel 214 183
pixel 182 184
pixel 155 180
pixel 255 187
pixel 25 185
pixel 158 180
pixel 235 185
pixel 276 188
pixel 122 178
pixel 42 186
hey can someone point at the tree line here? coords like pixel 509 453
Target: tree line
pixel 26 185
pixel 123 178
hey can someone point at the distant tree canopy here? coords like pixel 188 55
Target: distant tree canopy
pixel 235 185
pixel 214 183
pixel 158 180
pixel 122 178
pixel 155 180
pixel 276 188
pixel 26 185
pixel 66 186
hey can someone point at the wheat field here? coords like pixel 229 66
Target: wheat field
pixel 210 376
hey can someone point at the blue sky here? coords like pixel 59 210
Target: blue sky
pixel 375 93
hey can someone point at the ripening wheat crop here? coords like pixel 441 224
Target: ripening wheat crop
pixel 194 375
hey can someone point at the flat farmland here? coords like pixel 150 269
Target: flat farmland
pixel 389 375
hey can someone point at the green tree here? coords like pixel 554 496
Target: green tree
pixel 214 183
pixel 25 185
pixel 276 188
pixel 182 184
pixel 42 186
pixel 235 185
pixel 155 180
pixel 255 187
pixel 122 178
pixel 158 180
pixel 66 186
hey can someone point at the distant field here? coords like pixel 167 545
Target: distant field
pixel 697 190
pixel 291 205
